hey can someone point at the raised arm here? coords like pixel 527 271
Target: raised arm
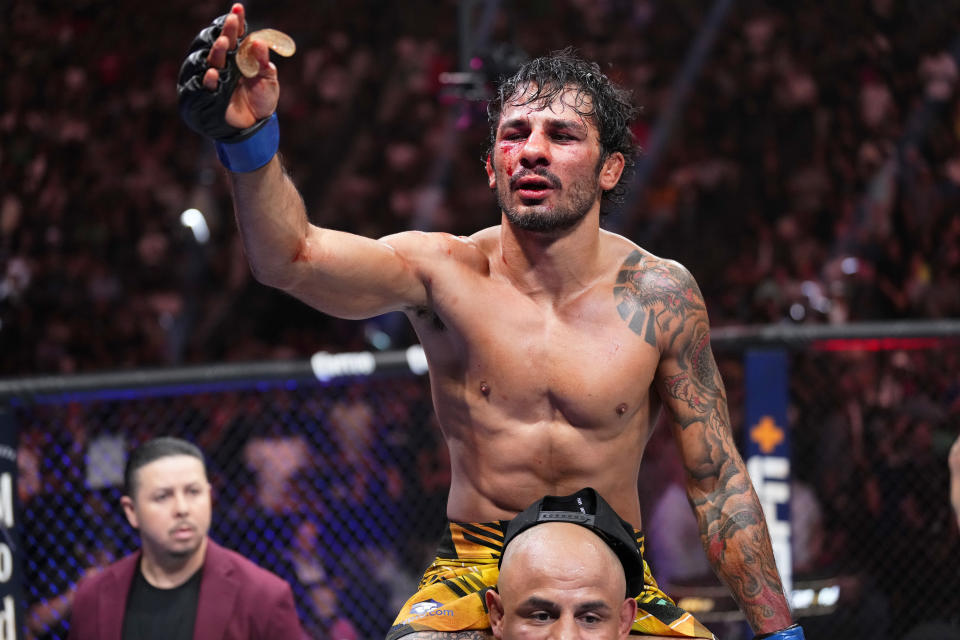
pixel 732 526
pixel 339 273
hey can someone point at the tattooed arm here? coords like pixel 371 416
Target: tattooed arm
pixel 732 526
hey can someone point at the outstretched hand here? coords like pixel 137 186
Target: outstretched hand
pixel 254 98
pixel 217 100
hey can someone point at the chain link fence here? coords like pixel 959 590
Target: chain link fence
pixel 873 422
pixel 340 487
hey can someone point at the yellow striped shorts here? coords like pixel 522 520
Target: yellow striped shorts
pixel 451 595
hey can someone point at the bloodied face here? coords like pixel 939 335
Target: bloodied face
pixel 547 166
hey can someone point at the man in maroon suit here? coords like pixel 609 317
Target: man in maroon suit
pixel 181 585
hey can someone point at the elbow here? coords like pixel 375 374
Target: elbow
pixel 264 275
pixel 280 270
pixel 273 277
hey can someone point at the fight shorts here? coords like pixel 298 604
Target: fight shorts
pixel 451 595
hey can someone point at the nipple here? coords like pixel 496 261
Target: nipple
pixel 621 408
pixel 484 388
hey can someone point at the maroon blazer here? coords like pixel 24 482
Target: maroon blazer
pixel 238 601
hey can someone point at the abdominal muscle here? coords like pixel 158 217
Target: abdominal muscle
pixel 500 466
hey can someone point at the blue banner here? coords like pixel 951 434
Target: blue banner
pixel 768 447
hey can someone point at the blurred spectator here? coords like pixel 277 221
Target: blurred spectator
pixel 276 455
pixel 313 588
pixel 806 528
pixel 817 157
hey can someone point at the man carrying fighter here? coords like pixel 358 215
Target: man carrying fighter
pixel 551 343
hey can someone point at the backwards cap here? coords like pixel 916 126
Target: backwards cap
pixel 587 509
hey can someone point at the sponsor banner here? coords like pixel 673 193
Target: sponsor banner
pixel 768 447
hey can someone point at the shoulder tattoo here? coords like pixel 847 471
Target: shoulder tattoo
pixel 653 294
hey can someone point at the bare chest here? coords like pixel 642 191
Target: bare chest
pixel 501 352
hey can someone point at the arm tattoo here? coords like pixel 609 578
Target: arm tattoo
pixel 739 550
pixel 651 292
pixel 654 294
pixel 660 302
pixel 735 537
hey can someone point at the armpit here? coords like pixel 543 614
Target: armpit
pixel 427 315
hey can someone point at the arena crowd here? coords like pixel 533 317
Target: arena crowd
pixel 812 175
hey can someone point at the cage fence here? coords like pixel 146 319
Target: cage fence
pixel 339 486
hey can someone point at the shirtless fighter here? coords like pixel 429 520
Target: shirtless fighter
pixel 551 343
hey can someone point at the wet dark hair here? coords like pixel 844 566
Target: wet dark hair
pixel 609 105
pixel 154 450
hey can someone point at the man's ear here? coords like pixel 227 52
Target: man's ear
pixel 495 609
pixel 628 611
pixel 127 503
pixel 491 175
pixel 611 170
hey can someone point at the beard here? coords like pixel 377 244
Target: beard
pixel 537 217
pixel 174 550
pixel 185 552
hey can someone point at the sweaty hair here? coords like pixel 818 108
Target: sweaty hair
pixel 154 450
pixel 541 81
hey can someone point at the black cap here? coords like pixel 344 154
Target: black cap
pixel 588 509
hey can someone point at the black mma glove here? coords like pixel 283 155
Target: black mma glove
pixel 203 110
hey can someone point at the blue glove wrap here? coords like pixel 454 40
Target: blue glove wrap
pixel 793 632
pixel 253 152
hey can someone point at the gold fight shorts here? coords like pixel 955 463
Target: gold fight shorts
pixel 451 595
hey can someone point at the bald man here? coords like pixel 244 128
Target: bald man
pixel 571 567
pixel 560 580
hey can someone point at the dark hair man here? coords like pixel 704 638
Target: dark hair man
pixel 551 343
pixel 180 585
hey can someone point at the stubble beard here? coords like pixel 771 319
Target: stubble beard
pixel 541 218
pixel 185 552
pixel 176 551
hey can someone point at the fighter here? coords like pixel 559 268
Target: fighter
pixel 552 344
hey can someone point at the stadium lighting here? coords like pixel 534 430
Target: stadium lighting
pixel 194 220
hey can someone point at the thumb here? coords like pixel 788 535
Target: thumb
pixel 262 54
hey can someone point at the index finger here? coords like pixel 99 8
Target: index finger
pixel 241 13
pixel 233 26
pixel 230 32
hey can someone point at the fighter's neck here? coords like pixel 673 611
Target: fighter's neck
pixel 551 265
pixel 167 573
